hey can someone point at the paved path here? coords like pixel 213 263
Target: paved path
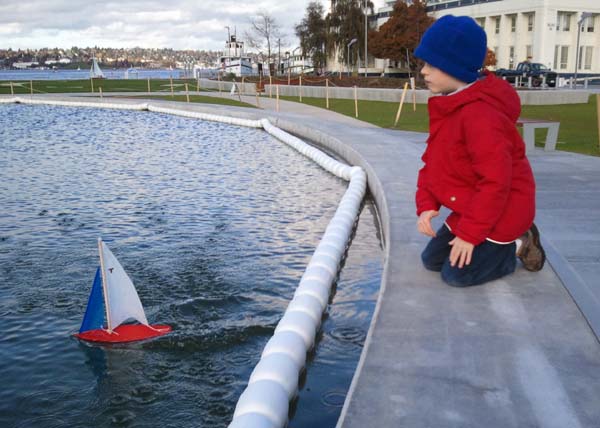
pixel 513 353
pixel 516 352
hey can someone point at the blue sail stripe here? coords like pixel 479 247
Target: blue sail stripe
pixel 94 313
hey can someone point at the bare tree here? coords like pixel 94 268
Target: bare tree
pixel 264 35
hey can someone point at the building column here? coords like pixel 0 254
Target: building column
pixel 544 38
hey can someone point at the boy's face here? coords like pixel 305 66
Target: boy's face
pixel 439 82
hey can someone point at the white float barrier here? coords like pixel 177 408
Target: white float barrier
pixel 94 104
pixel 274 381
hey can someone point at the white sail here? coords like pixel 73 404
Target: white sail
pixel 95 71
pixel 122 300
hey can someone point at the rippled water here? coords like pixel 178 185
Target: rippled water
pixel 215 224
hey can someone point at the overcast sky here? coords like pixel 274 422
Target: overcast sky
pixel 177 24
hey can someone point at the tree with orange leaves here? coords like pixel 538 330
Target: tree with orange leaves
pixel 397 38
pixel 490 59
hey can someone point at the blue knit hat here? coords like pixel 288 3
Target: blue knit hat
pixel 457 45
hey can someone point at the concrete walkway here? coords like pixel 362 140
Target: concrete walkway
pixel 517 352
pixel 514 353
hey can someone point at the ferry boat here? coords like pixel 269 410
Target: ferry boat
pixel 234 60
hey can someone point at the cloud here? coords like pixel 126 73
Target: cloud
pixel 177 24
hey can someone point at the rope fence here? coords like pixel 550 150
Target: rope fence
pixel 328 92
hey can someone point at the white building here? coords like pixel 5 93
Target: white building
pixel 543 30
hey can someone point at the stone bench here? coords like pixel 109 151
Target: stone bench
pixel 529 127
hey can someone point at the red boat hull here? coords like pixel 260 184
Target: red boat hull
pixel 124 333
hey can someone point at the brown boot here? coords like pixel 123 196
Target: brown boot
pixel 531 252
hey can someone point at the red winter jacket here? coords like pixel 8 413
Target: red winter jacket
pixel 475 163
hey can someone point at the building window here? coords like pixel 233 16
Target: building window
pixel 589 50
pixel 529 52
pixel 481 22
pixel 530 20
pixel 589 24
pixel 497 29
pixel 513 23
pixel 511 58
pixel 556 48
pixel 564 57
pixel 563 21
pixel 585 57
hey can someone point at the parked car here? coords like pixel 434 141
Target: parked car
pixel 525 70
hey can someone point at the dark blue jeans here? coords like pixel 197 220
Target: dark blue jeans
pixel 489 261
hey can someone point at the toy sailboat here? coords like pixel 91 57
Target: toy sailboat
pixel 113 296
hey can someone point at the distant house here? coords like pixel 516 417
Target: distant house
pixel 58 61
pixel 24 65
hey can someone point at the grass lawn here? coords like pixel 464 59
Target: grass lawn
pixel 107 85
pixel 161 89
pixel 199 99
pixel 578 125
pixel 578 122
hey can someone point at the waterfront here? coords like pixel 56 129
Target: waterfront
pixel 64 74
pixel 214 223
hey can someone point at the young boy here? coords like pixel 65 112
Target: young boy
pixel 475 163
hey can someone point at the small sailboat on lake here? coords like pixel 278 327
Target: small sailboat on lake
pixel 113 301
pixel 95 71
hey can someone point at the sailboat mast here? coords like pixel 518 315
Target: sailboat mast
pixel 104 287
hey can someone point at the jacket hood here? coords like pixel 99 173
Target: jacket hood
pixel 494 91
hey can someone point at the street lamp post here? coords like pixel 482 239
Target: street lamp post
pixel 366 61
pixel 287 63
pixel 584 16
pixel 350 44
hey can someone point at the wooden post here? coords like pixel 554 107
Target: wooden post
pixel 598 113
pixel 100 91
pixel 92 84
pixel 401 103
pixel 355 101
pixel 300 88
pixel 171 80
pixel 270 87
pixel 31 87
pixel 277 98
pixel 242 86
pixel 414 93
pixel 327 93
pixel 12 89
pixel 148 85
pixel 198 86
pixel 187 94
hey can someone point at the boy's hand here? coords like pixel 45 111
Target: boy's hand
pixel 424 222
pixel 461 252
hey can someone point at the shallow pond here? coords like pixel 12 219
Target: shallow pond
pixel 214 223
